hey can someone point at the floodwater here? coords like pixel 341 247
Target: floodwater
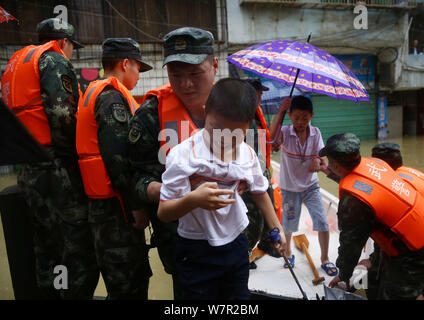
pixel 161 284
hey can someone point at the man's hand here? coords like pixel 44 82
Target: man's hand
pixel 242 187
pixel 153 191
pixel 335 282
pixel 141 218
pixel 315 165
pixel 207 196
pixel 281 245
pixel 365 262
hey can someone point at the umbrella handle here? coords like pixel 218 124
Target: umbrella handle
pixel 298 70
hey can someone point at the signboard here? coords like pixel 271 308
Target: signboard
pixel 362 66
pixel 382 118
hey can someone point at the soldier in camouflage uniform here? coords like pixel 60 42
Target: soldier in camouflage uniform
pixel 182 49
pixel 257 229
pixel 54 190
pixel 117 223
pixel 399 277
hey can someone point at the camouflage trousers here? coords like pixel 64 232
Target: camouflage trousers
pixel 62 236
pixel 257 229
pixel 121 251
pixel 396 278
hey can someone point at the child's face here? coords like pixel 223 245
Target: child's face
pixel 300 119
pixel 224 133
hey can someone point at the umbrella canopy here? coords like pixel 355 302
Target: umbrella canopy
pixel 318 71
pixel 5 16
pixel 271 99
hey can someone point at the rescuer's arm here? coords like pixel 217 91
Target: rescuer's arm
pixel 144 150
pixel 112 114
pixel 356 221
pixel 59 94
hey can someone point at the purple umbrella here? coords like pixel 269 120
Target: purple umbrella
pixel 302 65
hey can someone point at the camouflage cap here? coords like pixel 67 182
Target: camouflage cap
pixel 386 147
pixel 55 29
pixel 343 146
pixel 257 84
pixel 187 44
pixel 124 48
pixel 389 152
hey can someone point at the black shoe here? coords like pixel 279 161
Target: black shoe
pixel 252 265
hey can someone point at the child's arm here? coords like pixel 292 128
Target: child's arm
pixel 263 202
pixel 206 196
pixel 275 129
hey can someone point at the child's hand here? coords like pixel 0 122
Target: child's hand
pixel 207 196
pixel 285 104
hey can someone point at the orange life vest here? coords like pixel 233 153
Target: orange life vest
pixel 413 176
pixel 174 120
pixel 20 86
pixel 263 140
pixel 96 181
pixel 396 204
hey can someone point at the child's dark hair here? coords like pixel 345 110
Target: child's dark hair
pixel 233 99
pixel 301 103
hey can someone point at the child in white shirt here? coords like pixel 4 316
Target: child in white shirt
pixel 300 146
pixel 200 189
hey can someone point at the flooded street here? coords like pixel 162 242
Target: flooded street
pixel 160 284
pixel 412 149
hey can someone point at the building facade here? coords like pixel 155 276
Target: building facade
pixel 370 37
pixel 143 20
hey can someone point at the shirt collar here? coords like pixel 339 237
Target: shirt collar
pixel 293 133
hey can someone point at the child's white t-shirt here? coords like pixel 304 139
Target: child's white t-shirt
pixel 190 164
pixel 296 159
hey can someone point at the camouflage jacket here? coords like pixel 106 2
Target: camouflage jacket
pixel 144 147
pixel 113 114
pixel 356 221
pixel 59 93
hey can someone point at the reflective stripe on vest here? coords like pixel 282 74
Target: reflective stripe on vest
pixel 21 92
pixel 175 123
pixel 96 181
pixel 412 176
pixel 396 203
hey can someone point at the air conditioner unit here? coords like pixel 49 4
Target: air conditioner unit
pixel 386 72
pixel 386 66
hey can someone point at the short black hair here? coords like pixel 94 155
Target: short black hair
pixel 392 157
pixel 110 63
pixel 301 103
pixel 349 164
pixel 233 99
